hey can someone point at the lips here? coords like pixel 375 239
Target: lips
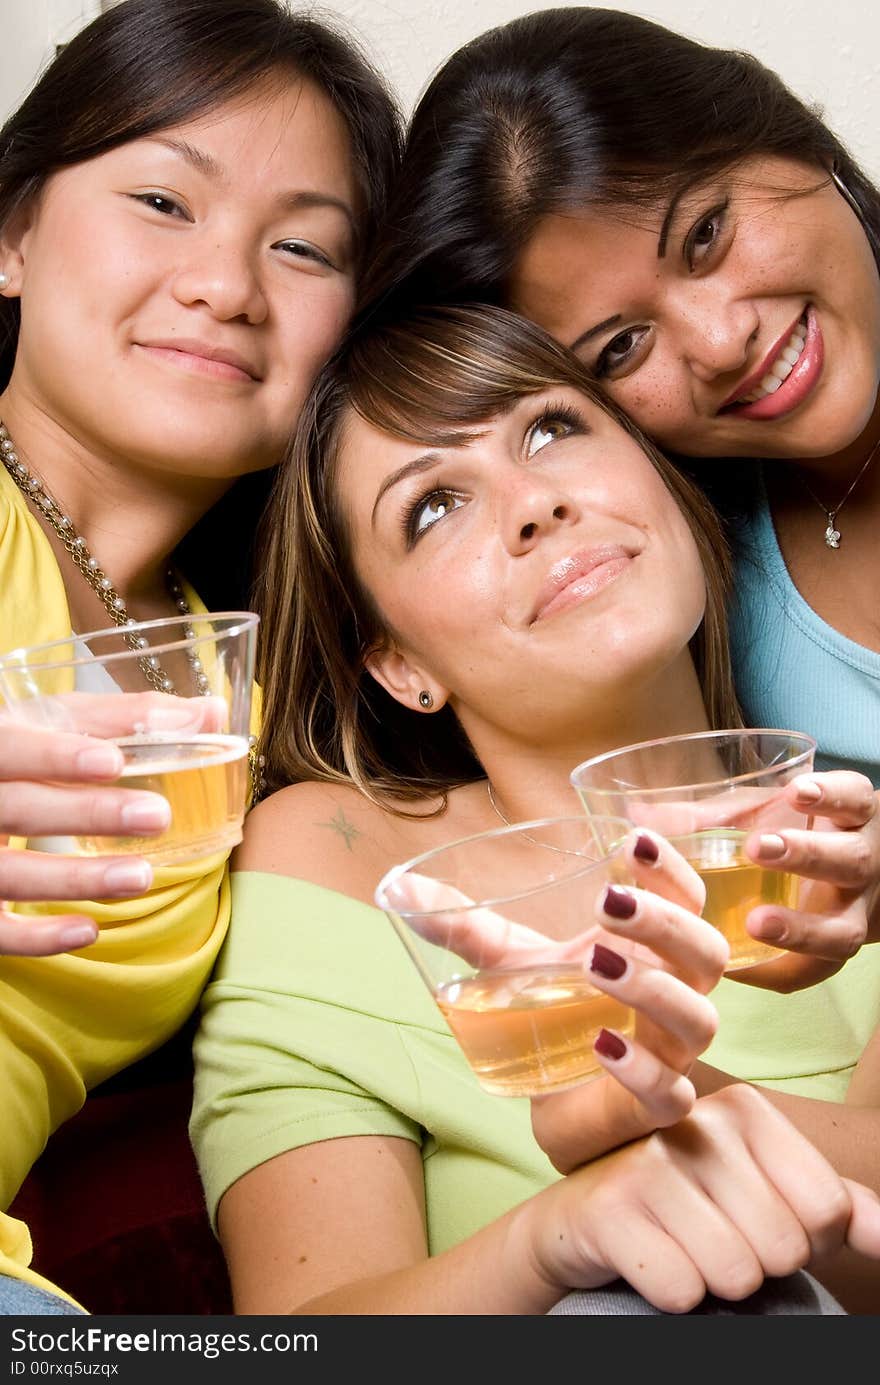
pixel 204 358
pixel 578 577
pixel 785 377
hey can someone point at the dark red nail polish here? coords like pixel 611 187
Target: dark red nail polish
pixel 618 903
pixel 609 1045
pixel 607 963
pixel 647 850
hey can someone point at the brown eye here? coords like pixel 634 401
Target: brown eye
pixel 620 352
pixel 430 509
pixel 704 235
pixel 553 425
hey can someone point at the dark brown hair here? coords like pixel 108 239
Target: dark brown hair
pixel 571 107
pixel 427 379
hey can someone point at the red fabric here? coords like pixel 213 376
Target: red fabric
pixel 115 1205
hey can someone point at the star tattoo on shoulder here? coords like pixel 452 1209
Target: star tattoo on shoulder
pixel 347 831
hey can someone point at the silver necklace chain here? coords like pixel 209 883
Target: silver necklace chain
pixel 547 846
pixel 33 489
pixel 832 533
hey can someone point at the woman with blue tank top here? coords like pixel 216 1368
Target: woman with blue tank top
pixel 709 249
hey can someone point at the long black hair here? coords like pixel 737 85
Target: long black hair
pixel 145 65
pixel 569 107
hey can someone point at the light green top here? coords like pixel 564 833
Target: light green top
pixel 317 1025
pixel 807 1043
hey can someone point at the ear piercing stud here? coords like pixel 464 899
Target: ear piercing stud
pixel 425 699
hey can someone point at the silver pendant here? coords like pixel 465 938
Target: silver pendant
pixel 832 535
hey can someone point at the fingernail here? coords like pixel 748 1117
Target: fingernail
pixel 646 849
pixel 102 761
pixel 609 1045
pixel 128 877
pixel 618 902
pixel 173 718
pixel 771 847
pixel 772 930
pixel 807 789
pixel 606 963
pixel 77 935
pixel 146 815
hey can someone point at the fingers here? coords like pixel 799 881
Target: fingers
pixel 109 715
pixel 657 866
pixel 632 1243
pixel 793 1168
pixel 657 995
pixel 844 796
pixel 835 937
pixel 28 752
pixel 689 945
pixel 41 810
pixel 849 859
pixel 664 1095
pixel 786 973
pixel 863 1230
pixel 21 936
pixel 42 875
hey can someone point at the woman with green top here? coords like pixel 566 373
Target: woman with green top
pixel 436 668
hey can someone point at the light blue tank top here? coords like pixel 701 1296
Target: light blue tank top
pixel 793 670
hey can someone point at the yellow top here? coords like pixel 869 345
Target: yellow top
pixel 69 1022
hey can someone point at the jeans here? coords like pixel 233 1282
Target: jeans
pixel 20 1298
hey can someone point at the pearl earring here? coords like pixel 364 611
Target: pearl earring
pixel 4 281
pixel 425 699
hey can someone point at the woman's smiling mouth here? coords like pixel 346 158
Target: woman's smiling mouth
pixel 579 577
pixel 786 377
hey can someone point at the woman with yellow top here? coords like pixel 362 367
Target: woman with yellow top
pixel 185 198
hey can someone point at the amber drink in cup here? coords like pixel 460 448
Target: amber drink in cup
pixel 192 747
pixel 501 927
pixel 707 793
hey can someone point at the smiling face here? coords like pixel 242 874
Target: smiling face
pixel 179 293
pixel 535 571
pixel 690 315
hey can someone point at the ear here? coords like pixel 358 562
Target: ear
pixel 13 246
pixel 404 680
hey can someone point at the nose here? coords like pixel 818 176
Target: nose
pixel 222 276
pixel 716 331
pixel 532 506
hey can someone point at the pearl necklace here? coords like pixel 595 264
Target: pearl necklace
pixel 32 487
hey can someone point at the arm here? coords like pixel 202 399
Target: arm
pixel 729 1195
pixel 140 967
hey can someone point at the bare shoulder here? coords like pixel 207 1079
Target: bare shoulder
pixel 329 834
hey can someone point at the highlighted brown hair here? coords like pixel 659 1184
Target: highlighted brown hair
pixel 427 379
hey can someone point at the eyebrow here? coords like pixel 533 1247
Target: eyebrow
pixel 662 241
pixel 595 331
pixel 293 201
pixel 416 467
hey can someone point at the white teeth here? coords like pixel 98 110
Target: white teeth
pixel 780 369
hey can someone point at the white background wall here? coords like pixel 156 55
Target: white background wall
pixel 827 50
